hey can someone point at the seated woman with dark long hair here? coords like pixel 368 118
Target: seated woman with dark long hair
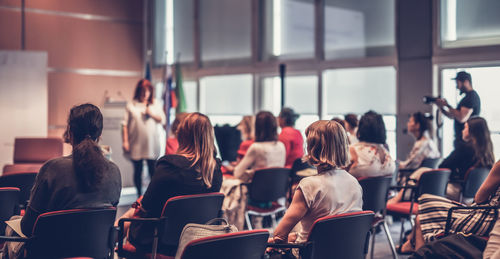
pixel 192 170
pixel 433 209
pixel 370 156
pixel 85 179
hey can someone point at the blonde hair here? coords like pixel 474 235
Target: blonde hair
pixel 327 145
pixel 196 142
pixel 246 126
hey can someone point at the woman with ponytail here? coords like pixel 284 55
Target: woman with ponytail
pixel 332 191
pixel 192 170
pixel 84 179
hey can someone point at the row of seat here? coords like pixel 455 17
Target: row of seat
pixel 90 233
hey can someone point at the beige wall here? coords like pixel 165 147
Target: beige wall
pixel 109 42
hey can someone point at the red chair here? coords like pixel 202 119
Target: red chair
pixel 71 233
pixel 338 236
pixel 431 182
pixel 31 153
pixel 242 245
pixel 267 186
pixel 177 212
pixel 9 198
pixel 22 180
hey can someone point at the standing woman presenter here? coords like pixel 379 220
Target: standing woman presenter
pixel 142 130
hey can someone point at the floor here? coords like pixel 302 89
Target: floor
pixel 382 248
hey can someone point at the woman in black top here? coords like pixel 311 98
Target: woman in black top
pixel 192 170
pixel 85 179
pixel 477 151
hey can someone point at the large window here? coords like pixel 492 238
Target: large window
pixel 173 31
pixel 469 23
pixel 289 29
pixel 484 81
pixel 358 28
pixel 225 99
pixel 301 94
pixel 225 28
pixel 358 90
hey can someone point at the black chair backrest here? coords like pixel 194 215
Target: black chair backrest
pixel 23 181
pixel 269 184
pixel 375 192
pixel 73 233
pixel 9 198
pixel 242 245
pixel 181 210
pixel 473 181
pixel 430 162
pixel 340 236
pixel 433 182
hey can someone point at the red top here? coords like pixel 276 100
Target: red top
pixel 172 146
pixel 294 144
pixel 244 147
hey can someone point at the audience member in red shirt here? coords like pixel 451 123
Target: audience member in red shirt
pixel 291 137
pixel 172 143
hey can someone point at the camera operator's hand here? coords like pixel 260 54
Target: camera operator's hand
pixel 441 102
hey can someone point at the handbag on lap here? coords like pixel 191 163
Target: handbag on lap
pixel 194 231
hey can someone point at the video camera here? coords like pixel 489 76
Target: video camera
pixel 430 99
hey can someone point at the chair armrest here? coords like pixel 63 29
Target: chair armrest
pixel 289 245
pixel 121 224
pixel 398 187
pixel 450 212
pixel 13 239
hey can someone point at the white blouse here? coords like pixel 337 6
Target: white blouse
pixel 330 193
pixel 144 133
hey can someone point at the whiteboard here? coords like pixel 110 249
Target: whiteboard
pixel 23 98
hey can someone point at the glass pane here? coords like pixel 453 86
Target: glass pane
pixel 173 31
pixel 356 29
pixel 225 29
pixel 289 29
pixel 357 90
pixel 469 23
pixel 190 93
pixel 301 94
pixel 226 95
pixel 271 95
pixel 484 81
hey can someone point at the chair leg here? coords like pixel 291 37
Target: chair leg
pixel 249 223
pixel 391 243
pixel 402 231
pixel 372 249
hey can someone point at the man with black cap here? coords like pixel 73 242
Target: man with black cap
pixel 469 106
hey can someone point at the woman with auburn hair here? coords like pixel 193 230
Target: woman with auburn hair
pixel 141 131
pixel 332 191
pixel 192 170
pixel 265 152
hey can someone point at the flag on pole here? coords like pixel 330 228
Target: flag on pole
pixel 147 71
pixel 179 96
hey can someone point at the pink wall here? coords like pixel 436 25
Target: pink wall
pixel 111 40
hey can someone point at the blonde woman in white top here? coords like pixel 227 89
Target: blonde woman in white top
pixel 333 191
pixel 142 131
